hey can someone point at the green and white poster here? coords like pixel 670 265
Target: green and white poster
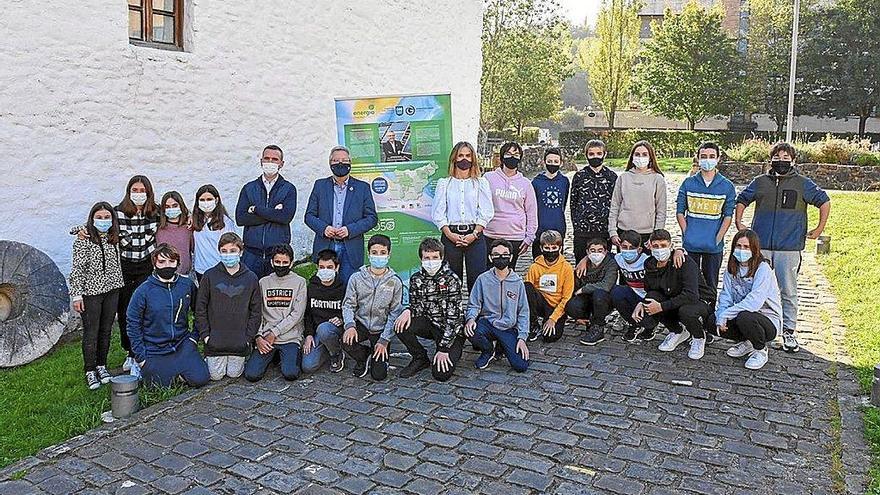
pixel 400 146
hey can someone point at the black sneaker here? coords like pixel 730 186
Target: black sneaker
pixel 103 374
pixel 593 335
pixel 631 333
pixel 789 342
pixel 414 366
pixel 337 363
pixel 645 336
pixel 92 380
pixel 360 369
pixel 533 334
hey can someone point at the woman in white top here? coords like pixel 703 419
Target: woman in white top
pixel 462 208
pixel 210 221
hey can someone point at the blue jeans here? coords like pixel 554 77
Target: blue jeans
pixel 256 262
pixel 289 355
pixel 485 333
pixel 185 362
pixel 346 269
pixel 327 344
pixel 710 266
pixel 624 300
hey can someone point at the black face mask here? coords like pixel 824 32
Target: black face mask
pixel 511 162
pixel 463 164
pixel 501 262
pixel 780 167
pixel 550 256
pixel 595 162
pixel 281 271
pixel 553 168
pixel 340 169
pixel 166 272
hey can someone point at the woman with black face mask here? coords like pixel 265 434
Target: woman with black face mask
pixel 462 209
pixel 516 207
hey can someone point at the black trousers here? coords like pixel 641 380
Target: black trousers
pixel 751 326
pixel 473 257
pixel 514 252
pixel 421 327
pixel 695 317
pixel 362 349
pixel 133 274
pixel 595 307
pixel 99 311
pixel 540 308
pixel 581 241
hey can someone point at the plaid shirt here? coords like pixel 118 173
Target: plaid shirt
pixel 137 236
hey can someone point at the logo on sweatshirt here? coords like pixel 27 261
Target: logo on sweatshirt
pixel 548 282
pixel 512 295
pixel 512 194
pixel 552 197
pixel 323 304
pixel 279 298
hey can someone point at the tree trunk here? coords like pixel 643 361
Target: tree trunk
pixel 863 122
pixel 691 123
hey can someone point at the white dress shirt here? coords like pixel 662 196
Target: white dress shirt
pixel 462 202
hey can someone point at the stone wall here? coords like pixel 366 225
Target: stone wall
pixel 82 110
pixel 828 176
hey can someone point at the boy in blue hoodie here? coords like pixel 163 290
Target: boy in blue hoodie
pixel 158 325
pixel 781 197
pixel 498 311
pixel 704 212
pixel 551 191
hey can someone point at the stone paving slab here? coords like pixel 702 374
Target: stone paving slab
pixel 607 419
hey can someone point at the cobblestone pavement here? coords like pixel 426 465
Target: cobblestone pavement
pixel 582 420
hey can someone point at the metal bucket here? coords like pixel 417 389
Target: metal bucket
pixel 124 396
pixel 823 244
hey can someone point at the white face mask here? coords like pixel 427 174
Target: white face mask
pixel 597 258
pixel 270 168
pixel 326 274
pixel 139 199
pixel 207 206
pixel 641 162
pixel 432 266
pixel 661 254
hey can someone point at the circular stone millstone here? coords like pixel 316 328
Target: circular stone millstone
pixel 34 303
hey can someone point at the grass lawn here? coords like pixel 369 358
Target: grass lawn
pixel 854 228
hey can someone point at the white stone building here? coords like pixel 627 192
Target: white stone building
pixel 83 108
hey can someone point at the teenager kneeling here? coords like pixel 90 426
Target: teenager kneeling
pixel 749 307
pixel 592 300
pixel 549 284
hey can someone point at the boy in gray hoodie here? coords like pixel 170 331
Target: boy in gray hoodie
pixel 284 307
pixel 498 311
pixel 372 303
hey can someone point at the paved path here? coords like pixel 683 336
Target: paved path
pixel 582 420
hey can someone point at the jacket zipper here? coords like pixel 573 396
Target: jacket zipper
pixel 173 318
pixel 265 225
pixel 773 223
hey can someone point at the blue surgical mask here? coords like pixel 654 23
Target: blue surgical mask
pixel 630 255
pixel 378 262
pixel 172 212
pixel 103 225
pixel 708 164
pixel 230 259
pixel 742 255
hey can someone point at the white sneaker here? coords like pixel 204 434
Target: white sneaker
pixel 744 348
pixel 673 340
pixel 126 366
pixel 698 348
pixel 757 359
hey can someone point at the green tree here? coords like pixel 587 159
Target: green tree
pixel 609 57
pixel 839 61
pixel 526 58
pixel 690 68
pixel 767 58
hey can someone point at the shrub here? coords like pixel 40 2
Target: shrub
pixel 667 143
pixel 751 150
pixel 867 159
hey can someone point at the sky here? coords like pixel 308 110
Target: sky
pixel 578 10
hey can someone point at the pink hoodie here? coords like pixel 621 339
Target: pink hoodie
pixel 516 209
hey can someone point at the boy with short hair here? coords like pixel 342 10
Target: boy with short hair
pixel 549 284
pixel 781 197
pixel 551 191
pixel 591 190
pixel 631 291
pixel 434 312
pixel 323 322
pixel 592 300
pixel 372 303
pixel 284 305
pixel 498 311
pixel 228 310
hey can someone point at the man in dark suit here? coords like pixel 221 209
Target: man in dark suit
pixel 392 148
pixel 340 211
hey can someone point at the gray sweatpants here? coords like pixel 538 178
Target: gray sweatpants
pixel 786 265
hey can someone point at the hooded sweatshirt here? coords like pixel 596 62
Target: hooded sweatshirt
pixel 438 298
pixel 325 303
pixel 516 208
pixel 781 208
pixel 705 208
pixel 228 310
pixel 554 281
pixel 759 293
pixel 158 316
pixel 502 302
pixel 681 286
pixel 284 306
pixel 633 274
pixel 638 203
pixel 552 197
pixel 373 301
pixel 601 277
